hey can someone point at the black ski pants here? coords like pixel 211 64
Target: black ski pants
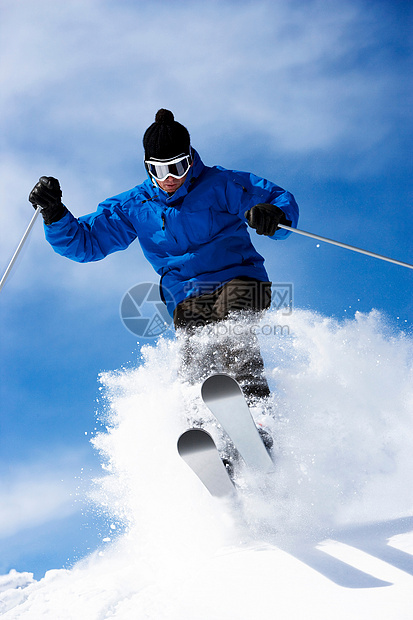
pixel 225 346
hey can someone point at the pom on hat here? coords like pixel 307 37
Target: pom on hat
pixel 164 116
pixel 166 138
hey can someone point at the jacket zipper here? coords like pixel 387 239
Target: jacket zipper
pixel 164 227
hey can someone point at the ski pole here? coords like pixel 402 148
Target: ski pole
pixel 19 247
pixel 346 246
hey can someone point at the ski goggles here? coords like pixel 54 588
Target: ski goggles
pixel 177 168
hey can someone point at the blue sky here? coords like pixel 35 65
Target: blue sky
pixel 313 95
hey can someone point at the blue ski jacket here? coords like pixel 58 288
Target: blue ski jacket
pixel 196 238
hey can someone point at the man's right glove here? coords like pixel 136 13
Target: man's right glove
pixel 48 195
pixel 265 218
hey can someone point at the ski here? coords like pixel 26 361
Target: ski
pixel 198 450
pixel 224 398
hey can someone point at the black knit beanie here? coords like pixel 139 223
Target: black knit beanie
pixel 165 138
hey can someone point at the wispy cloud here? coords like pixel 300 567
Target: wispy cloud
pixel 300 72
pixel 32 494
pixel 81 82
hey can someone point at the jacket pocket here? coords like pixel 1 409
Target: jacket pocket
pixel 197 225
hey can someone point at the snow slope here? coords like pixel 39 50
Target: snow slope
pixel 329 535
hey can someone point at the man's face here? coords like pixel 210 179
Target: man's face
pixel 167 173
pixel 170 184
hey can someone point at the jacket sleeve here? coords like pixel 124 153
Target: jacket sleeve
pixel 249 190
pixel 91 237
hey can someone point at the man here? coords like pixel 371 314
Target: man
pixel 191 221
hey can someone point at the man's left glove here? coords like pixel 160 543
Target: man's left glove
pixel 48 195
pixel 265 218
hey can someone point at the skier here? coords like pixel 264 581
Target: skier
pixel 191 221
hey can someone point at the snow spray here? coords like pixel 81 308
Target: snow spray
pixel 341 419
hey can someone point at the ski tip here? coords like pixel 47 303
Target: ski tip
pixel 219 386
pixel 194 439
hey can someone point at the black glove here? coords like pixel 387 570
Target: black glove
pixel 265 218
pixel 48 195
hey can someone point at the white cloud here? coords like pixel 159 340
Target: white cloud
pixel 296 71
pixel 39 492
pixel 82 80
